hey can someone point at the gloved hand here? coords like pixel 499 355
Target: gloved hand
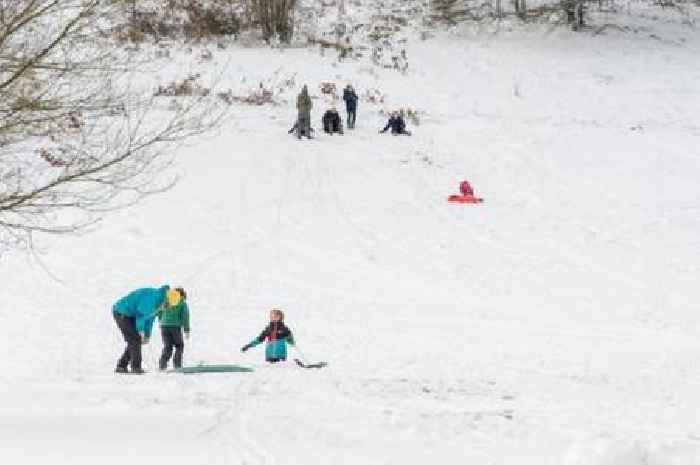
pixel 245 347
pixel 187 335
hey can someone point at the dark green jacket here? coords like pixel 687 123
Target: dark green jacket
pixel 304 104
pixel 177 316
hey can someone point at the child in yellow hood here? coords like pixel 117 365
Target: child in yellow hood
pixel 173 320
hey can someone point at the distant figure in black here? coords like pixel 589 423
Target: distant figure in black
pixel 332 122
pixel 397 125
pixel 350 98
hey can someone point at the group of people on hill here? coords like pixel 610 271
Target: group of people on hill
pixel 136 313
pixel 331 120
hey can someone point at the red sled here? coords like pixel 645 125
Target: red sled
pixel 455 198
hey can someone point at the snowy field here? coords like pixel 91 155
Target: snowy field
pixel 555 324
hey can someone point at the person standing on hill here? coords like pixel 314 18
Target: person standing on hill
pixel 173 320
pixel 304 106
pixel 134 315
pixel 351 99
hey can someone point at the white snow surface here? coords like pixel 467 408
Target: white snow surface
pixel 555 324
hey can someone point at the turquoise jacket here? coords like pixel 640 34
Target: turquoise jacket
pixel 142 305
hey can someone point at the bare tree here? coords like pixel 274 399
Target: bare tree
pixel 520 8
pixel 575 13
pixel 275 17
pixel 80 133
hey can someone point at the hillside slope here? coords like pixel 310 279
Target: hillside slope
pixel 556 323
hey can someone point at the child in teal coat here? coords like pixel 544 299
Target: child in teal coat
pixel 277 335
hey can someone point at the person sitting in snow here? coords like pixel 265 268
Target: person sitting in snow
pixel 397 125
pixel 466 189
pixel 134 315
pixel 332 122
pixel 466 194
pixel 277 335
pixel 173 320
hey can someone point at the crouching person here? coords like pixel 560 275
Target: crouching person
pixel 276 335
pixel 134 315
pixel 332 122
pixel 397 125
pixel 173 321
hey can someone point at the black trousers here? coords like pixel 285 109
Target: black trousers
pixel 304 126
pixel 132 353
pixel 331 127
pixel 352 114
pixel 172 337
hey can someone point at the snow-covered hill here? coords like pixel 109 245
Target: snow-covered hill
pixel 555 324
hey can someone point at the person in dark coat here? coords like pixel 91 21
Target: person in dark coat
pixel 332 122
pixel 351 99
pixel 397 125
pixel 304 106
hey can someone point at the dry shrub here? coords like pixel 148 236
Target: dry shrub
pixel 52 158
pixel 408 113
pixel 189 19
pixel 187 87
pixel 329 88
pixel 260 96
pixel 209 20
pixel 374 96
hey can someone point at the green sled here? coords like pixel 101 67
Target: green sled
pixel 213 369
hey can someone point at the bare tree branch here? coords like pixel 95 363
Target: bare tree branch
pixel 79 134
